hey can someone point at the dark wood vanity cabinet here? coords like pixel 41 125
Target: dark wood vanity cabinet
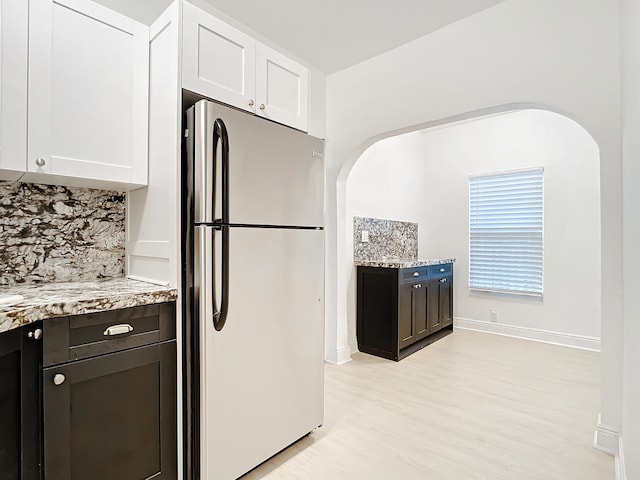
pixel 109 395
pixel 401 310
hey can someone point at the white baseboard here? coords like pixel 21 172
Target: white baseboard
pixel 527 333
pixel 338 356
pixel 621 474
pixel 606 438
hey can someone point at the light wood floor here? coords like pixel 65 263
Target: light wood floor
pixel 470 406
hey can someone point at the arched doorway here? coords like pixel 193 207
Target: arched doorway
pixel 422 177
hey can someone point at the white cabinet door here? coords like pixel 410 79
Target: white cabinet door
pixel 282 88
pixel 13 88
pixel 218 60
pixel 88 95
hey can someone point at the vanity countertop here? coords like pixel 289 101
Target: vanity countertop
pixel 76 298
pixel 399 263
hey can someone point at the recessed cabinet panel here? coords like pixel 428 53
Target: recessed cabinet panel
pixel 216 50
pixel 88 94
pixel 282 87
pixel 107 417
pixel 218 60
pixel 13 88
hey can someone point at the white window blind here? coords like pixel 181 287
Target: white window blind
pixel 506 232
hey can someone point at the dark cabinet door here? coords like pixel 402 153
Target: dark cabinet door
pixel 112 417
pixel 434 320
pixel 10 405
pixel 19 404
pixel 441 313
pixel 420 309
pixel 412 313
pixel 445 301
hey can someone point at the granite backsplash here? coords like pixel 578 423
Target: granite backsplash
pixel 388 239
pixel 60 234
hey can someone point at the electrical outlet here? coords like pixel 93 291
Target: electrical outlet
pixel 365 235
pixel 494 316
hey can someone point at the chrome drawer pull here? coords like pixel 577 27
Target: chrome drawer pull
pixel 442 269
pixel 444 280
pixel 416 274
pixel 118 329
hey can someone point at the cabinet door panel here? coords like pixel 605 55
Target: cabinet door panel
pixel 112 416
pixel 218 60
pixel 445 301
pixel 10 405
pixel 13 88
pixel 19 405
pixel 435 323
pixel 88 94
pixel 406 331
pixel 282 88
pixel 420 310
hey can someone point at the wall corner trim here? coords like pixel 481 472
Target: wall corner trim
pixel 621 473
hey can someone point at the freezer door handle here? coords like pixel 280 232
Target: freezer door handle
pixel 220 314
pixel 221 136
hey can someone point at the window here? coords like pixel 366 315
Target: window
pixel 506 232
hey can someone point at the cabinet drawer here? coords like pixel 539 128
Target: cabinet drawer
pixel 83 336
pixel 415 274
pixel 441 270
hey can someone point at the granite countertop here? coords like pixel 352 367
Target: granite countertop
pixel 77 298
pixel 399 263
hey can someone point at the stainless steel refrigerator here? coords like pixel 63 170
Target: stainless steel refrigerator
pixel 253 245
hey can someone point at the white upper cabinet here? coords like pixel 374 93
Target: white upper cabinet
pixel 88 96
pixel 227 65
pixel 218 60
pixel 282 88
pixel 13 88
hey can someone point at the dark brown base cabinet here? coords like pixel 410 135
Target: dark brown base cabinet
pixel 90 397
pixel 109 399
pixel 401 310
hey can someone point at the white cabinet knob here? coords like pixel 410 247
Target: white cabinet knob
pixel 262 107
pixel 58 379
pixel 41 162
pixel 251 103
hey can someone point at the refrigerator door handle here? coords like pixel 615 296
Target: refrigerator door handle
pixel 220 314
pixel 220 135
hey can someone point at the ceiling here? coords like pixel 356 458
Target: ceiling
pixel 330 34
pixel 334 34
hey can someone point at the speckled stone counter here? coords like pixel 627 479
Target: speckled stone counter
pixel 77 298
pixel 397 263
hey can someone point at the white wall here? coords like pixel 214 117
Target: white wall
pixel 530 138
pixel 423 178
pixel 387 182
pixel 563 54
pixel 630 450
